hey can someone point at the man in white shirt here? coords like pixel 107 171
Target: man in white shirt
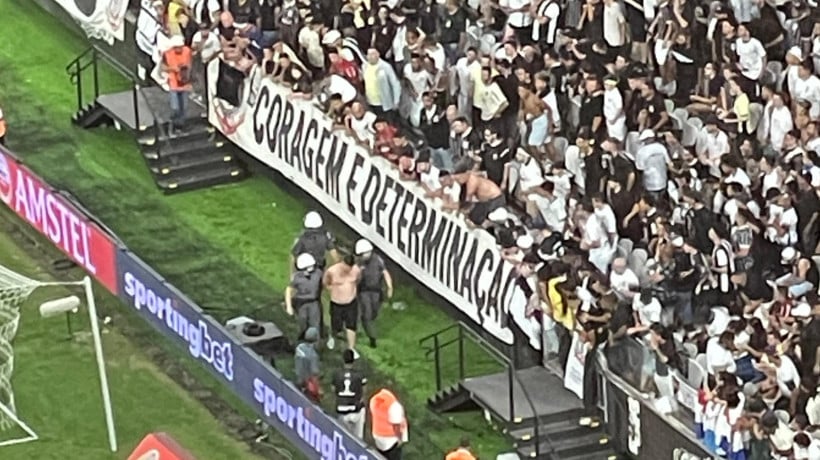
pixel 807 88
pixel 204 44
pixel 519 19
pixel 309 41
pixel 751 54
pixel 652 159
pixel 607 218
pixel 614 24
pixel 647 309
pixel 465 68
pixel 552 209
pixel 623 280
pixel 719 355
pixel 779 121
pixel 711 145
pixel 417 82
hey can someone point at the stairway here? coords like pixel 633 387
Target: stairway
pixel 91 116
pixel 451 399
pixel 196 158
pixel 560 437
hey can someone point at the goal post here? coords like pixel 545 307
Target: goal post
pixel 14 290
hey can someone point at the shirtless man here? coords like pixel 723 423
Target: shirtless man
pixel 341 281
pixel 485 193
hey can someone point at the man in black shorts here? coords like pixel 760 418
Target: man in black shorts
pixel 341 281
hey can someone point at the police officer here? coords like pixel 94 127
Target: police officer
pixel 374 274
pixel 303 292
pixel 314 240
pixel 317 242
pixel 348 385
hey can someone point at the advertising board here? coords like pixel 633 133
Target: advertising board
pixel 57 219
pixel 277 401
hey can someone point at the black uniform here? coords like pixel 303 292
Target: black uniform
pixel 316 242
pixel 348 386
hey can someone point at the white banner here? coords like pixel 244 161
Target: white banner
pixel 293 137
pixel 100 19
pixel 574 371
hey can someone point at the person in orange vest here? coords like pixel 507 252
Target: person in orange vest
pixel 176 63
pixel 2 129
pixel 389 424
pixel 463 451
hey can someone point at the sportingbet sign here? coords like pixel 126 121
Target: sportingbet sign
pixel 277 401
pixel 58 220
pixel 459 263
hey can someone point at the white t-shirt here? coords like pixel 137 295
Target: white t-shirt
pixel 530 175
pixel 718 358
pixel 420 81
pixel 780 123
pixel 430 178
pixel 613 18
pixel 739 177
pixel 210 46
pixel 648 314
pixel 750 57
pixel 553 211
pixel 808 90
pixel 517 19
pixel 395 415
pixel 364 127
pixel 787 373
pixel 621 283
pixel 607 218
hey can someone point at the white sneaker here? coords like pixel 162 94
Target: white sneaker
pixel 331 343
pixel 355 354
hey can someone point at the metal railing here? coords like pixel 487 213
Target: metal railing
pixel 436 343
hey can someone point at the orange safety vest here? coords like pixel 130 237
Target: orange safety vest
pixel 379 406
pixel 460 454
pixel 180 77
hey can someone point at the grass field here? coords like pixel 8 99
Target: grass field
pixel 57 389
pixel 227 248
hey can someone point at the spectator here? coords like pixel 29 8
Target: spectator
pixel 176 63
pixel 381 86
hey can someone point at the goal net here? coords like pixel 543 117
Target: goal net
pixel 14 290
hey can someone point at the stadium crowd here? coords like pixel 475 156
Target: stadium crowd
pixel 651 168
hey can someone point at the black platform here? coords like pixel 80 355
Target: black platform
pixel 546 391
pixel 194 158
pixel 153 106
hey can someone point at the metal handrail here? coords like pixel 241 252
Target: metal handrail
pixel 500 357
pixel 75 70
